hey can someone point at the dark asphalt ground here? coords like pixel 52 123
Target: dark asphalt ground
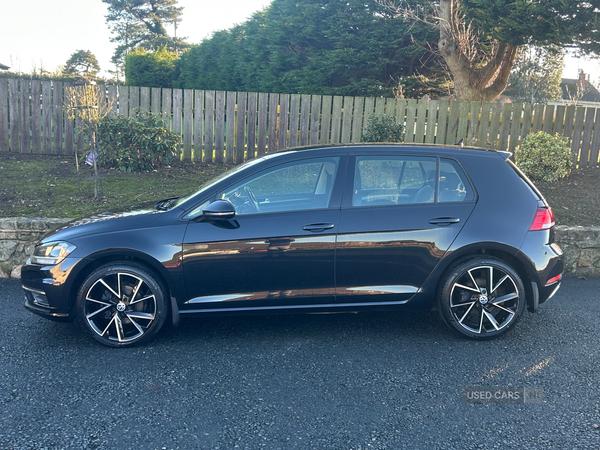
pixel 351 381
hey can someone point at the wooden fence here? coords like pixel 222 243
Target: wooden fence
pixel 230 127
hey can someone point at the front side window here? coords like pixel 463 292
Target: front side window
pixel 297 186
pixel 400 180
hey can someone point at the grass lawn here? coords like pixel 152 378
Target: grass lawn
pixel 46 186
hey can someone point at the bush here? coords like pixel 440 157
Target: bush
pixel 382 129
pixel 139 142
pixel 543 157
pixel 156 69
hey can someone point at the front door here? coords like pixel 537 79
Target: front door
pixel 279 249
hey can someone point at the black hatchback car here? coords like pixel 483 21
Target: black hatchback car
pixel 344 228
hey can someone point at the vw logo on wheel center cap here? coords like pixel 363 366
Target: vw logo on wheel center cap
pixel 121 307
pixel 483 297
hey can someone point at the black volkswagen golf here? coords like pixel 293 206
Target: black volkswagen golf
pixel 331 229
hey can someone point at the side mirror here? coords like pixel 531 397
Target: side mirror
pixel 219 210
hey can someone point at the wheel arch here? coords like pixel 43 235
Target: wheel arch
pixel 506 253
pixel 99 259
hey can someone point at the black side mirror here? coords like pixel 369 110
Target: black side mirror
pixel 219 210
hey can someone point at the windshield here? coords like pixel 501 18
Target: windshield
pixel 216 180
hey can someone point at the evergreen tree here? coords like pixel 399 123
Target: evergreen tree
pixel 156 69
pixel 141 23
pixel 339 47
pixel 82 63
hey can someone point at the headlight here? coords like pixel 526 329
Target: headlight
pixel 52 253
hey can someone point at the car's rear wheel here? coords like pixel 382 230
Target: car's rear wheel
pixel 121 304
pixel 481 298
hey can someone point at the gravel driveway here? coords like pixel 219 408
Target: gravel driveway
pixel 349 381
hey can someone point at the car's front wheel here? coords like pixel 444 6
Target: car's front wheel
pixel 121 304
pixel 481 298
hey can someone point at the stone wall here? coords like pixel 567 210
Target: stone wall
pixel 17 237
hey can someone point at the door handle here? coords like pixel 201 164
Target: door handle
pixel 444 221
pixel 316 227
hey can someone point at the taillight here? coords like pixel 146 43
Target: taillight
pixel 544 219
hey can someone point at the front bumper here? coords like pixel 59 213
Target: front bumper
pixel 48 289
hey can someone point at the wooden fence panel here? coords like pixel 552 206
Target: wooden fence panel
pixel 336 117
pixel 495 125
pixel 177 110
pixel 134 99
pixel 219 126
pixel 304 118
pixel 57 117
pixel 315 118
pixel 463 122
pixel 347 114
pixel 578 128
pixel 569 117
pixel 484 125
pixel 431 121
pixel 357 119
pixel 263 99
pixel 252 102
pixel 400 112
pixel 474 118
pixel 36 121
pixel 587 137
pixel 421 117
pixel 240 127
pixel 25 117
pixel 326 119
pixel 452 130
pixel 113 100
pixel 124 100
pixel 505 126
pixel 294 119
pixel 370 110
pixel 3 115
pixel 411 111
pixel 13 110
pixel 155 100
pixel 548 119
pixel 188 119
pixel 284 109
pixel 47 116
pixel 230 128
pixel 527 117
pixel 198 123
pixel 273 106
pixel 209 125
pixel 442 122
pixel 379 106
pixel 145 98
pixel 559 120
pixel 538 118
pixel 595 142
pixel 515 129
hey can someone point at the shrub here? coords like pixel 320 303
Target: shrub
pixel 139 142
pixel 156 69
pixel 382 129
pixel 543 157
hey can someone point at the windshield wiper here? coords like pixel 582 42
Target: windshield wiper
pixel 163 205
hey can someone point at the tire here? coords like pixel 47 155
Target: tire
pixel 121 304
pixel 475 306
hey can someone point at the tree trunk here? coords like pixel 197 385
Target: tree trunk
pixel 470 82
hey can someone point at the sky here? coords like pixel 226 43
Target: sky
pixel 45 33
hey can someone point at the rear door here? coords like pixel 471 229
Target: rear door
pixel 399 216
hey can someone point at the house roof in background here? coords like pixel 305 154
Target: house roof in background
pixel 3 67
pixel 579 89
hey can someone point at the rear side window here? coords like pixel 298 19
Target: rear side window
pixel 399 180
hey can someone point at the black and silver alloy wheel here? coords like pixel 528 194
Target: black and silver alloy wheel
pixel 121 304
pixel 482 298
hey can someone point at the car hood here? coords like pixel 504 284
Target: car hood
pixel 103 223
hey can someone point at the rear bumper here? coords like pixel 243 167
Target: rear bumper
pixel 545 262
